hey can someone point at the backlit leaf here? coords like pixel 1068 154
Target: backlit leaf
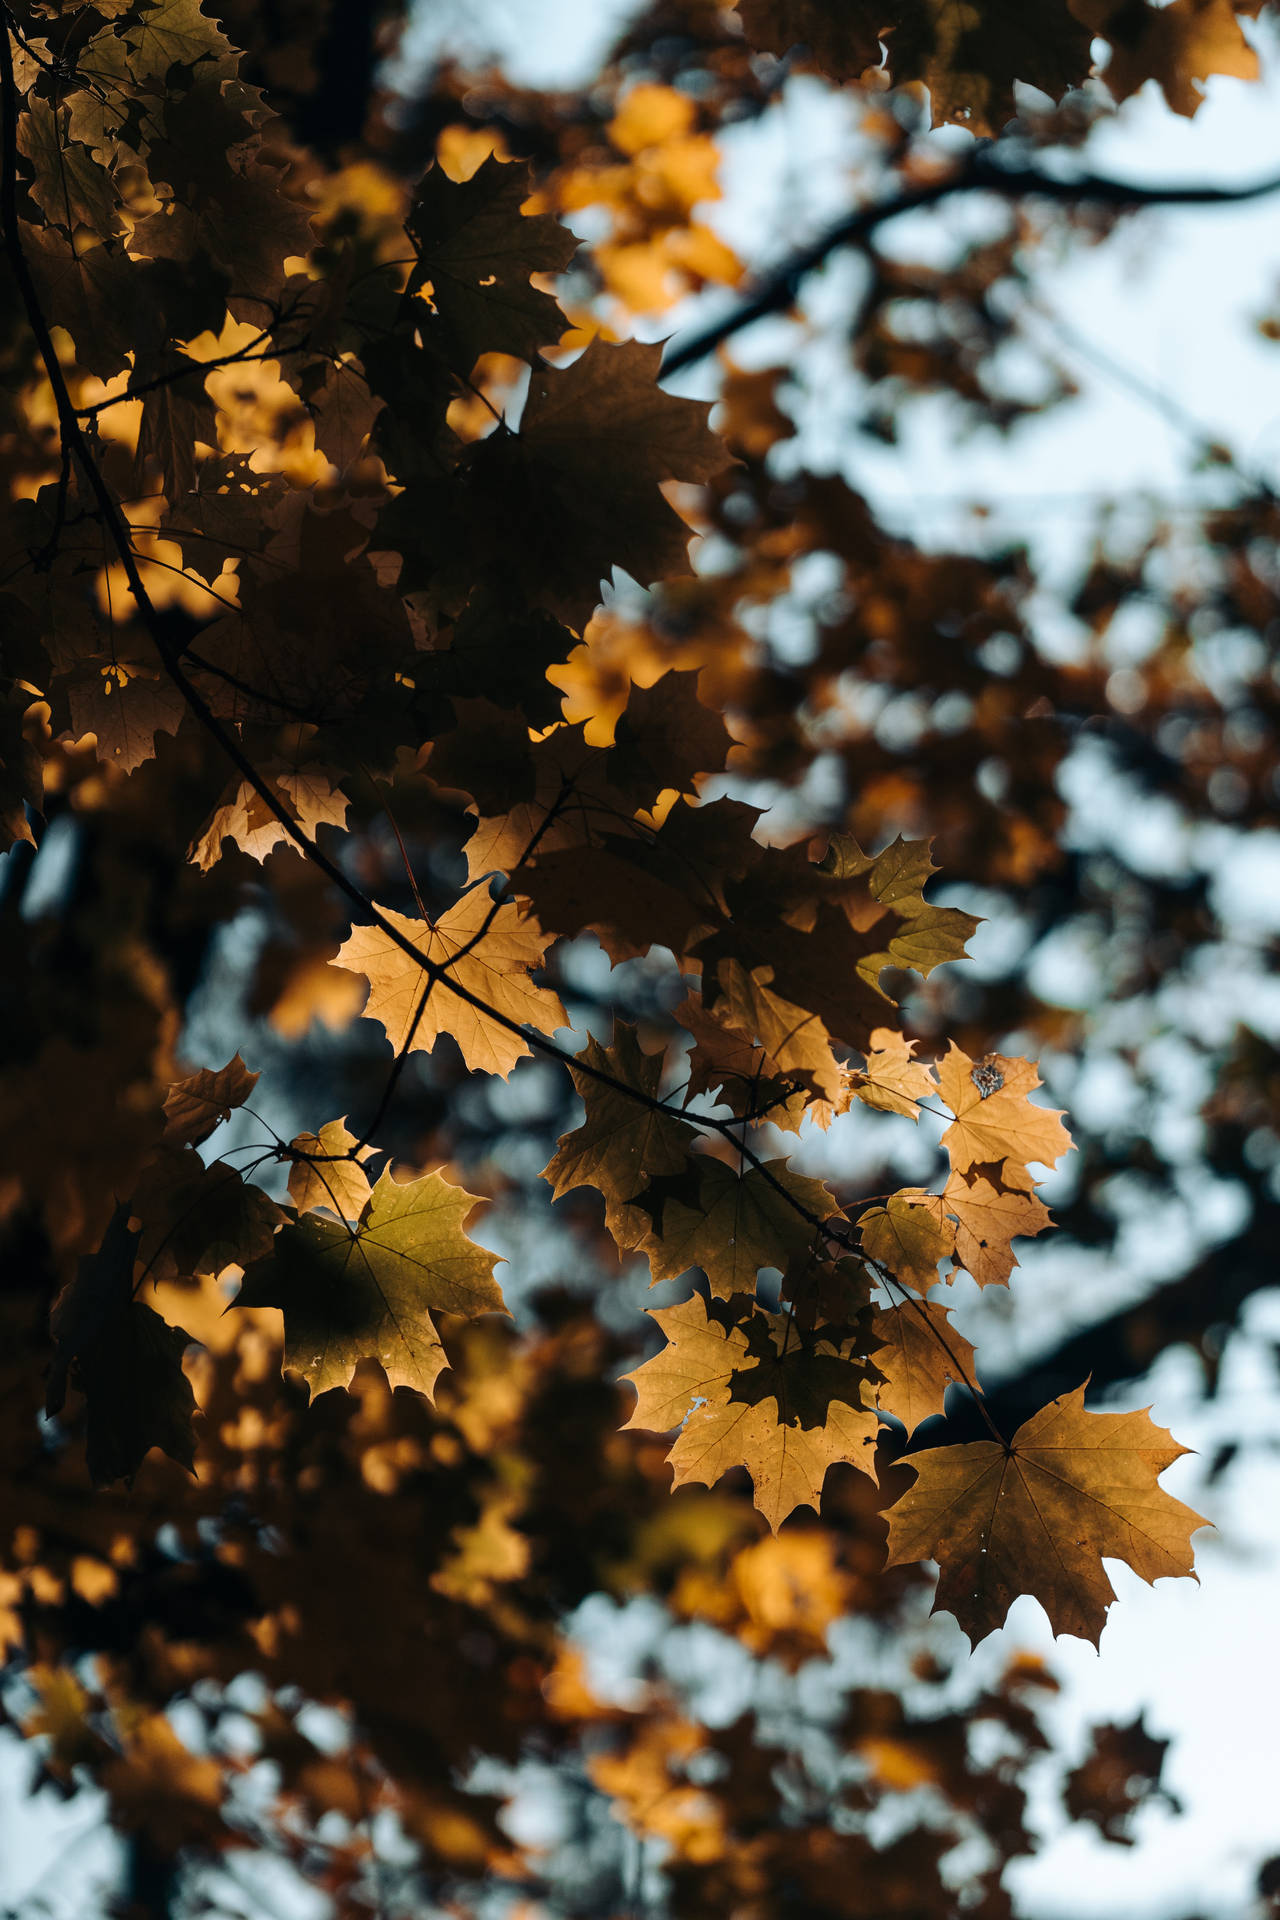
pixel 1038 1516
pixel 995 1120
pixel 783 1410
pixel 368 1292
pixel 489 950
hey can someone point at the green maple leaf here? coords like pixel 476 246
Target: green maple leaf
pixel 368 1292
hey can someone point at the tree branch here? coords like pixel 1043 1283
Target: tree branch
pixel 980 172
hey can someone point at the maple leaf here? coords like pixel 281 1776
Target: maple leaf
pixel 198 1219
pixel 1038 1516
pixel 477 252
pixel 504 653
pixel 124 698
pixel 1180 46
pixel 169 33
pixel 968 57
pixel 724 1058
pixel 783 1412
pixel 92 289
pixel 308 794
pixel 988 1216
pixel 225 516
pixel 136 1394
pixel 925 936
pixel 489 950
pixel 576 493
pixel 368 1292
pixel 894 1082
pixel 330 1180
pixel 994 1118
pixel 1120 1772
pixel 920 1355
pixel 666 738
pixel 909 1235
pixel 195 1106
pixel 730 1224
pixel 795 1042
pixel 622 1144
pixel 69 186
pixel 828 969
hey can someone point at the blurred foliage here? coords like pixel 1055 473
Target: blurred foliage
pixel 262 487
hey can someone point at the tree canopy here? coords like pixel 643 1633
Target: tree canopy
pixel 438 896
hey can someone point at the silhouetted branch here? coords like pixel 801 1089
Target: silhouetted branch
pixel 980 172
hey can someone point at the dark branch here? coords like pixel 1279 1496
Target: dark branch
pixel 979 172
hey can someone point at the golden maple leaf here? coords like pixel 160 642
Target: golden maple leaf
pixel 1037 1516
pixel 920 1354
pixel 328 1179
pixel 893 1081
pixel 988 1218
pixel 783 1410
pixel 994 1118
pixel 490 951
pixel 908 1235
pixel 368 1292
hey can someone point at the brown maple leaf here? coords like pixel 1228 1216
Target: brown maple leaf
pixel 477 253
pixel 920 1354
pixel 1037 1516
pixel 623 1143
pixel 195 1106
pixel 731 1224
pixel 988 1217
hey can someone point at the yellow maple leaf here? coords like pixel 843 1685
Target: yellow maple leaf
pixel 994 1118
pixel 783 1410
pixel 894 1082
pixel 908 1235
pixel 327 1179
pixel 487 950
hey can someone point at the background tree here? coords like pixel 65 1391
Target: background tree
pixel 367 721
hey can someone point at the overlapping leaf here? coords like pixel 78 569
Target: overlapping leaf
pixel 729 1223
pixel 625 1142
pixel 783 1410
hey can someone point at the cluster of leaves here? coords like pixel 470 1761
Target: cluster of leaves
pixel 314 489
